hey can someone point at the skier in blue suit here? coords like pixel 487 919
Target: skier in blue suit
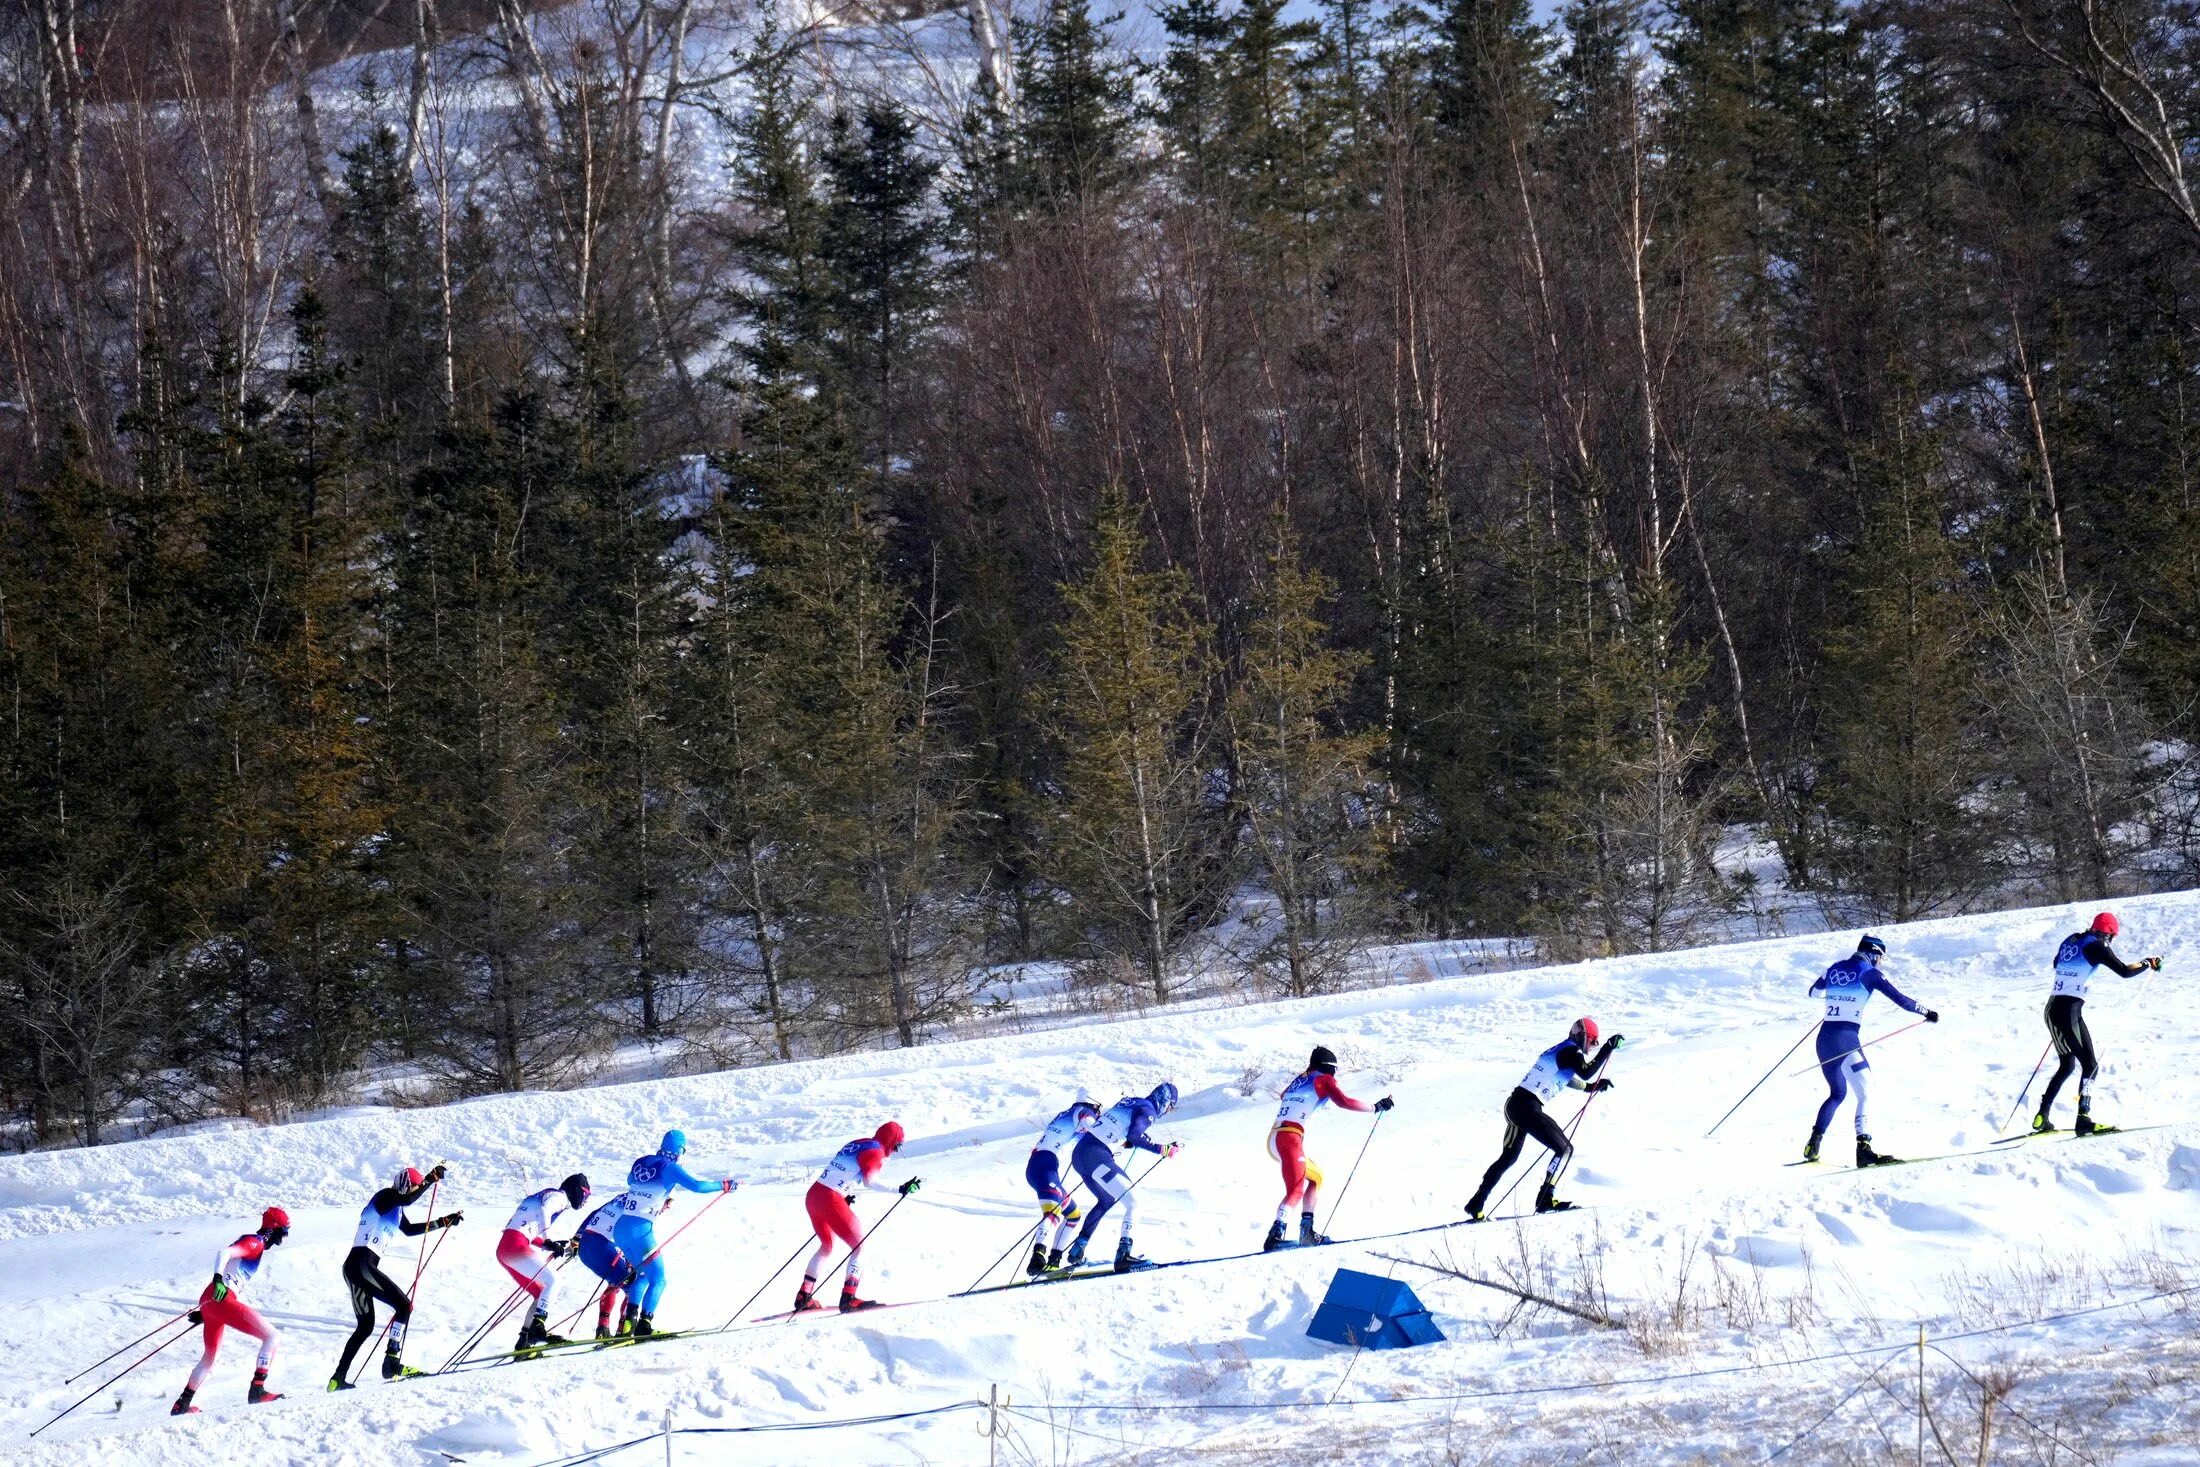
pixel 1846 987
pixel 1121 1124
pixel 650 1183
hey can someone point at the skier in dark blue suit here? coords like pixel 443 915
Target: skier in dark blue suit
pixel 1847 986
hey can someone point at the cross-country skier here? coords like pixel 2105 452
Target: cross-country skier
pixel 2081 955
pixel 650 1183
pixel 1122 1124
pixel 1043 1174
pixel 382 1219
pixel 1564 1065
pixel 526 1249
pixel 1314 1088
pixel 852 1169
pixel 222 1308
pixel 1847 986
pixel 599 1253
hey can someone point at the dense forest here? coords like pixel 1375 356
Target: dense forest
pixel 663 520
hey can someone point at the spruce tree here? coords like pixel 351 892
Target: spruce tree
pixel 1134 833
pixel 1305 787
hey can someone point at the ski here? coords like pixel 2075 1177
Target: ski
pixel 832 1311
pixel 2067 1135
pixel 616 1341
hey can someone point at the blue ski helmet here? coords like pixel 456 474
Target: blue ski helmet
pixel 1163 1097
pixel 675 1143
pixel 1871 947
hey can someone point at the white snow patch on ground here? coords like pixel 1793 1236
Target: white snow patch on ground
pixel 1716 1256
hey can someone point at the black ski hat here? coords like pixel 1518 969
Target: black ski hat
pixel 1321 1059
pixel 575 1189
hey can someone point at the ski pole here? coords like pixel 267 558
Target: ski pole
pixel 481 1331
pixel 1859 1049
pixel 141 1339
pixel 1348 1176
pixel 1783 1059
pixel 760 1288
pixel 979 1281
pixel 95 1390
pixel 661 1247
pixel 2027 1090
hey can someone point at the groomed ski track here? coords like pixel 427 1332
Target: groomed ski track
pixel 97 1245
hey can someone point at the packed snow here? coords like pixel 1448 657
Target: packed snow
pixel 1758 1305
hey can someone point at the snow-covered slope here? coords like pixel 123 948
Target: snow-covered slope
pixel 1714 1255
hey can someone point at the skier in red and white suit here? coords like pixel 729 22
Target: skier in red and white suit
pixel 852 1169
pixel 221 1308
pixel 1302 1180
pixel 526 1248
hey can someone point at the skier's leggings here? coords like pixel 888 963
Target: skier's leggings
pixel 227 1313
pixel 369 1285
pixel 831 1217
pixel 2074 1043
pixel 1841 1060
pixel 1525 1117
pixel 637 1239
pixel 1095 1162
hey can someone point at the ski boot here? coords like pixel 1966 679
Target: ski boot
pixel 338 1383
pixel 805 1299
pixel 603 1332
pixel 543 1335
pixel 1865 1156
pixel 1076 1255
pixel 1275 1238
pixel 2041 1125
pixel 1125 1262
pixel 1546 1199
pixel 627 1317
pixel 396 1369
pixel 1308 1238
pixel 1474 1207
pixel 183 1406
pixel 645 1325
pixel 1054 1259
pixel 2085 1124
pixel 849 1303
pixel 259 1394
pixel 1038 1264
pixel 1810 1147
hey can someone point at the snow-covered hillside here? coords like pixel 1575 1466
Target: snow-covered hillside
pixel 1759 1303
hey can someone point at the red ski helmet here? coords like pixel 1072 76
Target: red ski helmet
pixel 1584 1032
pixel 407 1178
pixel 889 1136
pixel 275 1225
pixel 2106 925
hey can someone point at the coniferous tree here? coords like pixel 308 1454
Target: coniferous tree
pixel 1134 834
pixel 1305 787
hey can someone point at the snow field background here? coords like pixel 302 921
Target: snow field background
pixel 97 1245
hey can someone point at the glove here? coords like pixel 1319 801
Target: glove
pixel 632 1273
pixel 1932 1016
pixel 565 1249
pixel 450 1219
pixel 1598 1087
pixel 438 1172
pixel 727 1186
pixel 1386 1103
pixel 911 1185
pixel 195 1317
pixel 1615 1041
pixel 221 1289
pixel 2153 963
pixel 1171 1149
